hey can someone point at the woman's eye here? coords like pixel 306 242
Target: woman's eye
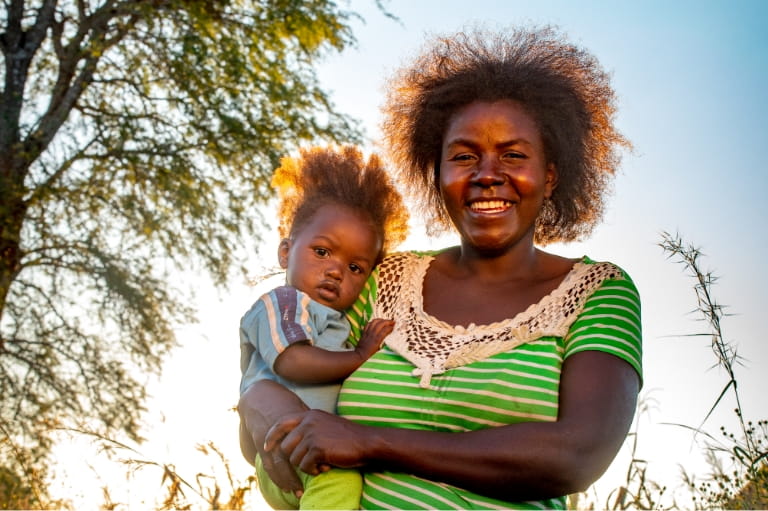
pixel 321 252
pixel 462 157
pixel 513 155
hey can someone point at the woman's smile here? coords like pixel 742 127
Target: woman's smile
pixel 490 206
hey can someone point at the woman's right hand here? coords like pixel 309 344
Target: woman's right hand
pixel 316 440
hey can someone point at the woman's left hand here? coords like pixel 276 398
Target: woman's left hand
pixel 316 440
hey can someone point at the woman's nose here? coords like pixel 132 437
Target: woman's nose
pixel 488 173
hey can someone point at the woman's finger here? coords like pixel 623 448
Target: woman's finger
pixel 280 430
pixel 298 458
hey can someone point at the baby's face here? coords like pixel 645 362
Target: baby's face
pixel 331 257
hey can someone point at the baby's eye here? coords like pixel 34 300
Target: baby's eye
pixel 355 268
pixel 321 252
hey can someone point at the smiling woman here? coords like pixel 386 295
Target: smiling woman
pixel 511 374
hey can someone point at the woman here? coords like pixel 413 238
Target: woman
pixel 512 374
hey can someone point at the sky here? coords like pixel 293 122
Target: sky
pixel 691 79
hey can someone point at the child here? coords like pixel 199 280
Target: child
pixel 338 215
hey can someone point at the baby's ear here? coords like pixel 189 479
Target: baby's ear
pixel 282 252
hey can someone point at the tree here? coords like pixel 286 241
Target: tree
pixel 136 137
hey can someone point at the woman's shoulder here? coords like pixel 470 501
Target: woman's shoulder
pixel 594 281
pixel 610 269
pixel 609 283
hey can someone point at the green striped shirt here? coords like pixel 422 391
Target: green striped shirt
pixel 518 385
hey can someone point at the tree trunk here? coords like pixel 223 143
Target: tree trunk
pixel 12 212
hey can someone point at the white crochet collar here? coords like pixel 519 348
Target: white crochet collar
pixel 433 346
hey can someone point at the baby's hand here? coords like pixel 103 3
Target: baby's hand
pixel 373 336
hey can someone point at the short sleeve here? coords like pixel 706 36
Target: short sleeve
pixel 610 322
pixel 277 320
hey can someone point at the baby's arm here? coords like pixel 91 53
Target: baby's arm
pixel 304 363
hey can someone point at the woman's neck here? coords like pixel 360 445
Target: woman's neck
pixel 520 263
pixel 491 289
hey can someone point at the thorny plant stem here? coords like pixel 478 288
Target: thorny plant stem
pixel 689 255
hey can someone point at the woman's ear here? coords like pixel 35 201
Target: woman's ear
pixel 551 180
pixel 282 252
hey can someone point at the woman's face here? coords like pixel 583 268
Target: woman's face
pixel 493 175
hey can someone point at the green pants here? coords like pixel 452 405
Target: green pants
pixel 336 489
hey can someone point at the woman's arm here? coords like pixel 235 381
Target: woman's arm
pixel 260 406
pixel 525 461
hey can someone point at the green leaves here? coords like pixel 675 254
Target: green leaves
pixel 137 137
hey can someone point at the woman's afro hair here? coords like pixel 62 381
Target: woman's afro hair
pixel 560 85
